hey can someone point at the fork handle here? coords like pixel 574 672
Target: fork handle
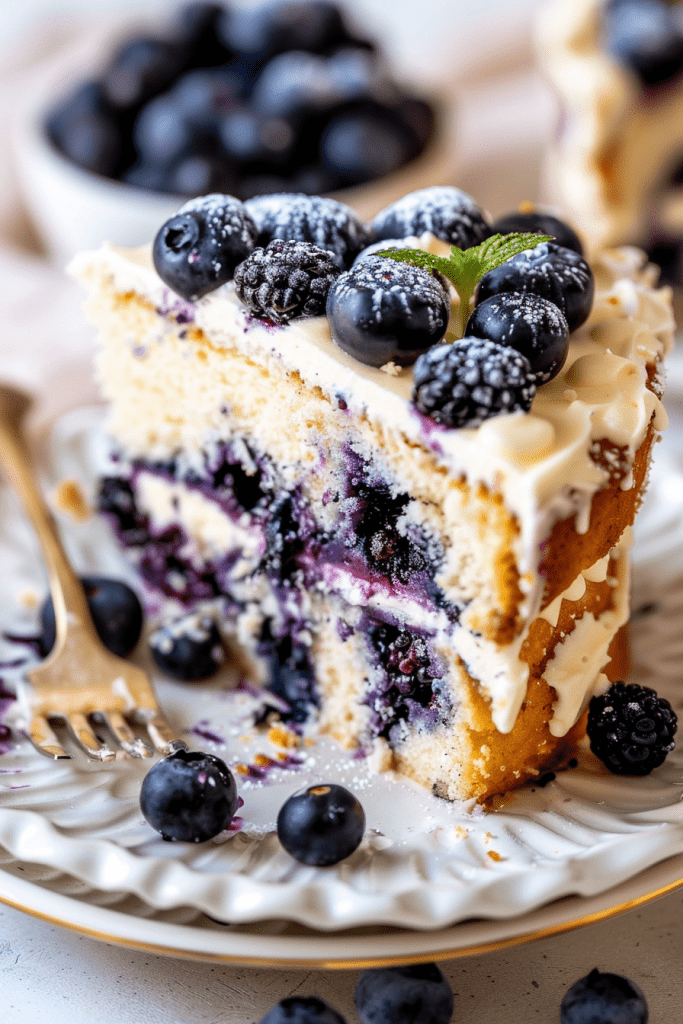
pixel 67 592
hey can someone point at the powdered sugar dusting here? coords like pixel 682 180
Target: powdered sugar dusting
pixel 447 212
pixel 224 217
pixel 325 222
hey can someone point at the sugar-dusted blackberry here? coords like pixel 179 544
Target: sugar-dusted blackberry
pixel 189 796
pixel 631 729
pixel 605 998
pixel 551 271
pixel 188 648
pixel 445 211
pixel 197 250
pixel 528 323
pixel 329 224
pixel 321 825
pixel 541 224
pixel 412 994
pixel 302 1010
pixel 383 311
pixel 463 384
pixel 287 280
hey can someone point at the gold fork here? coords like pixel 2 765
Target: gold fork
pixel 80 678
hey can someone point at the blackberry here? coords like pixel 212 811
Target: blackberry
pixel 540 223
pixel 605 998
pixel 324 222
pixel 413 994
pixel 197 250
pixel 287 280
pixel 447 212
pixel 383 311
pixel 463 384
pixel 551 271
pixel 528 323
pixel 631 729
pixel 321 825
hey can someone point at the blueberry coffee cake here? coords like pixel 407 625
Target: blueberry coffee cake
pixel 617 163
pixel 397 462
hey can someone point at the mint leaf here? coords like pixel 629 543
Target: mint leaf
pixel 466 267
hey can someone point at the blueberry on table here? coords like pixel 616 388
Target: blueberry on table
pixel 603 999
pixel 644 36
pixel 540 224
pixel 472 380
pixel 198 249
pixel 529 324
pixel 321 825
pixel 189 796
pixel 551 271
pixel 631 729
pixel 286 280
pixel 446 212
pixel 302 1010
pixel 414 994
pixel 189 648
pixel 115 610
pixel 325 222
pixel 383 311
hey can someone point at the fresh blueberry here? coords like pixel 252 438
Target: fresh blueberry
pixel 195 28
pixel 141 69
pixel 327 223
pixel 321 825
pixel 472 380
pixel 361 146
pixel 162 133
pixel 248 137
pixel 541 224
pixel 205 96
pixel 116 613
pixel 446 212
pixel 295 84
pixel 383 311
pixel 286 280
pixel 199 175
pixel 261 32
pixel 631 729
pixel 84 128
pixel 603 999
pixel 528 323
pixel 551 271
pixel 414 994
pixel 197 250
pixel 302 1010
pixel 646 37
pixel 189 796
pixel 189 648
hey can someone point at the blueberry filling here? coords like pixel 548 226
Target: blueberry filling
pixel 291 675
pixel 409 687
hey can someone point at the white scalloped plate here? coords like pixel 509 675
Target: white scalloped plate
pixel 424 864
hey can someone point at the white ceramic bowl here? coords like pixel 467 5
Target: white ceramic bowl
pixel 73 209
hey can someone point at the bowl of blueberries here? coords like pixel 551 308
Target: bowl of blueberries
pixel 280 96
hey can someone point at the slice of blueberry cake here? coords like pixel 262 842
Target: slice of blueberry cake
pixel 402 484
pixel 616 164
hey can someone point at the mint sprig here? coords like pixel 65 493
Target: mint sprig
pixel 465 268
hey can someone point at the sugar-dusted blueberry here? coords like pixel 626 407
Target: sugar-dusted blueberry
pixel 321 825
pixel 539 223
pixel 188 648
pixel 286 280
pixel 116 613
pixel 604 998
pixel 471 380
pixel 302 1010
pixel 631 729
pixel 551 271
pixel 189 796
pixel 646 37
pixel 383 311
pixel 445 211
pixel 413 994
pixel 325 222
pixel 528 323
pixel 197 250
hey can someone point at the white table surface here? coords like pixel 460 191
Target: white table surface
pixel 52 976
